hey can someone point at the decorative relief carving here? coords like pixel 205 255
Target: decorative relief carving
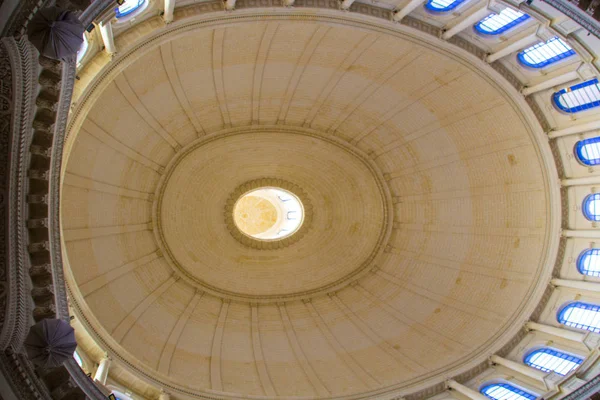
pixel 5 122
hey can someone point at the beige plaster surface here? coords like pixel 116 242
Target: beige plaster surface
pixel 443 158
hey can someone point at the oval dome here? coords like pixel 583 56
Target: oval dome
pixel 424 184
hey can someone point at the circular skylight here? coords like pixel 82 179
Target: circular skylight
pixel 268 213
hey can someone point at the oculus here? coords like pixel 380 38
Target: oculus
pixel 268 213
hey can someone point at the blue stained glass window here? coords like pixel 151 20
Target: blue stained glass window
pixel 579 97
pixel 495 24
pixel 545 53
pixel 505 391
pixel 128 7
pixel 589 262
pixel 588 151
pixel 547 360
pixel 581 315
pixel 591 207
pixel 443 5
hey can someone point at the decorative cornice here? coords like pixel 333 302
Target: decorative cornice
pixel 577 15
pixel 273 244
pixel 22 63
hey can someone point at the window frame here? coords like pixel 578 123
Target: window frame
pixel 584 207
pixel 518 391
pixel 580 259
pixel 446 9
pixel 552 60
pixel 589 162
pixel 128 14
pixel 552 352
pixel 561 320
pixel 586 106
pixel 503 28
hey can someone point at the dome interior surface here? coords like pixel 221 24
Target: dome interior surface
pixel 428 197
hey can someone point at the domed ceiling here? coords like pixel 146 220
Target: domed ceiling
pixel 425 194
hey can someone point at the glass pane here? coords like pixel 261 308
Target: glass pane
pixel 504 391
pixel 82 49
pixel 588 151
pixel 591 207
pixel 579 97
pixel 589 262
pixel 553 360
pixel 494 24
pixel 543 54
pixel 582 316
pixel 128 7
pixel 443 5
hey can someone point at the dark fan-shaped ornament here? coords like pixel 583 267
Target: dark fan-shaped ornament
pixel 56 33
pixel 50 342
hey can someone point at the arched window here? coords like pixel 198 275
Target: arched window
pixel 505 391
pixel 545 53
pixel 128 7
pixel 591 207
pixel 589 262
pixel 82 49
pixel 495 24
pixel 581 315
pixel 588 151
pixel 443 5
pixel 78 359
pixel 580 97
pixel 547 360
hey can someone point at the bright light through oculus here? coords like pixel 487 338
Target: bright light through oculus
pixel 268 213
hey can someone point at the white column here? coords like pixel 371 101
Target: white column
pixel 412 4
pixel 558 80
pixel 583 233
pixel 574 130
pixel 519 367
pixel 467 22
pixel 346 4
pixel 581 285
pixel 102 371
pixel 467 391
pixel 107 37
pixel 558 332
pixel 229 5
pixel 514 46
pixel 169 10
pixel 588 180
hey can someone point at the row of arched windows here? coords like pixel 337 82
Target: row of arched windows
pixel 573 99
pixel 578 315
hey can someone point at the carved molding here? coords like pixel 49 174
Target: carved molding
pixel 365 267
pixel 22 63
pixel 577 15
